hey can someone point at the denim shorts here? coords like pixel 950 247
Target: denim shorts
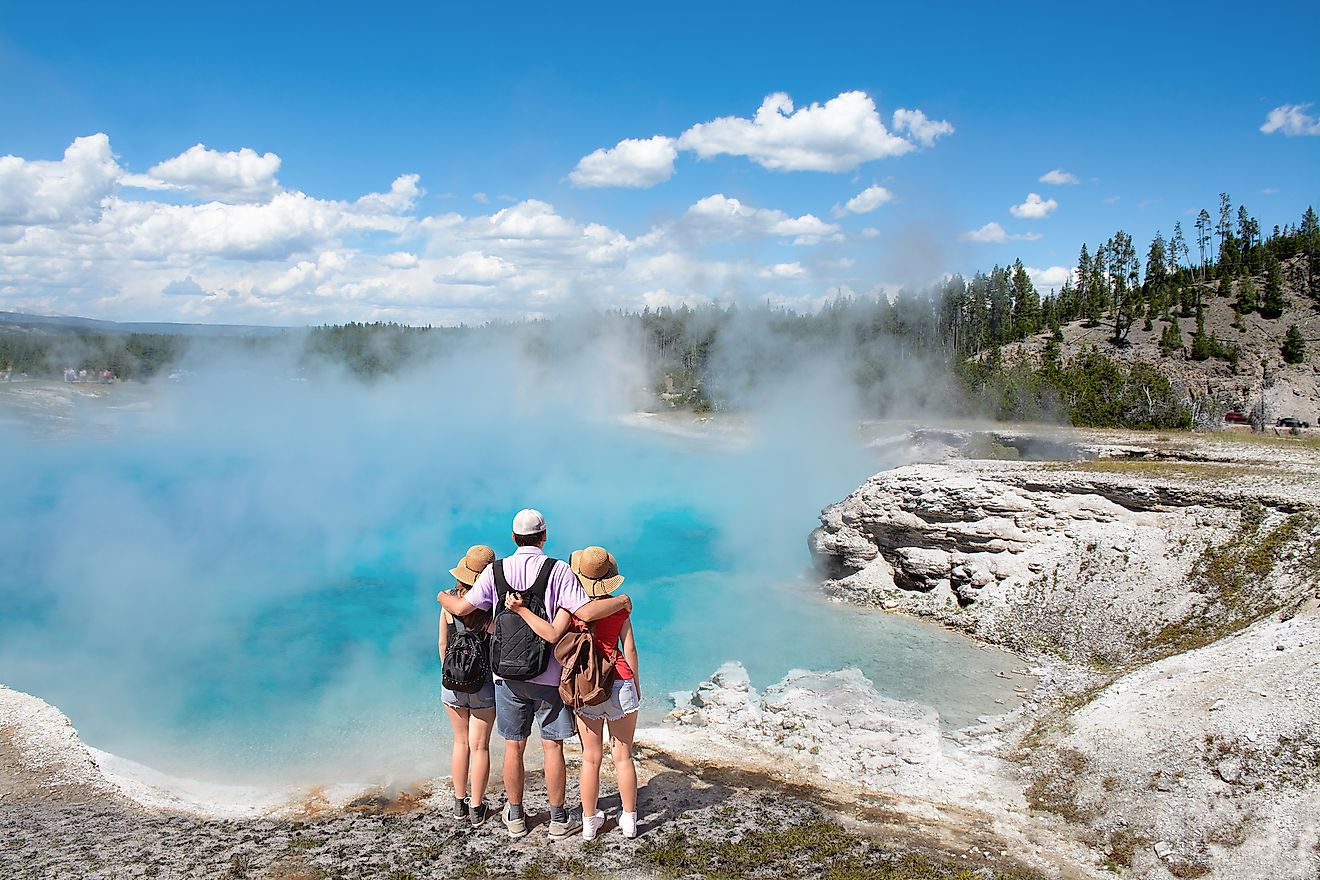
pixel 623 701
pixel 517 702
pixel 482 699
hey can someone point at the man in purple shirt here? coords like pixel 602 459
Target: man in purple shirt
pixel 518 702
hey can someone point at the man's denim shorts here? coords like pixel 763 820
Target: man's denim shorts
pixel 482 699
pixel 623 701
pixel 516 702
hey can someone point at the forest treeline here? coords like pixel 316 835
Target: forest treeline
pixel 942 349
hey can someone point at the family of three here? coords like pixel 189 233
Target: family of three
pixel 551 597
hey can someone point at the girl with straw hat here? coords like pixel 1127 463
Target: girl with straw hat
pixel 598 572
pixel 472 715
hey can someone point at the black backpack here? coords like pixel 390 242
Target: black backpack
pixel 516 652
pixel 466 665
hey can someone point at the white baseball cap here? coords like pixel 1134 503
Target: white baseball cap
pixel 528 522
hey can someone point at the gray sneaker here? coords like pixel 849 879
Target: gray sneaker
pixel 460 809
pixel 517 827
pixel 566 829
pixel 478 814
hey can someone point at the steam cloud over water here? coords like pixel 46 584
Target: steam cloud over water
pixel 234 575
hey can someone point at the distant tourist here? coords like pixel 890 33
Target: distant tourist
pixel 599 575
pixel 467 690
pixel 526 675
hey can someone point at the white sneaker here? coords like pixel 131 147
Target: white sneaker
pixel 592 824
pixel 628 824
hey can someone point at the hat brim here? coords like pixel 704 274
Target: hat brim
pixel 464 575
pixel 602 587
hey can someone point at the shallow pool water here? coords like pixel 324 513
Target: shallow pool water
pixel 237 581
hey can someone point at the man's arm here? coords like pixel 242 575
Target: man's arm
pixel 599 608
pixel 480 598
pixel 454 605
pixel 550 632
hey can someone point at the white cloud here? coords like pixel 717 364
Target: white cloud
pixel 530 220
pixel 1034 208
pixel 400 260
pixel 74 245
pixel 632 163
pixel 1111 200
pixel 870 232
pixel 838 135
pixel 474 267
pixel 1059 177
pixel 241 176
pixel 481 197
pixel 288 223
pixel 924 131
pixel 865 201
pixel 783 270
pixel 1052 278
pixel 723 216
pixel 63 191
pixel 1292 120
pixel 403 196
pixel 306 276
pixel 993 233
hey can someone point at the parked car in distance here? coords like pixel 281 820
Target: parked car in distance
pixel 1290 422
pixel 1235 417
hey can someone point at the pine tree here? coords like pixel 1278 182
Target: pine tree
pixel 1177 249
pixel 1157 276
pixel 1124 274
pixel 1026 303
pixel 1171 338
pixel 1294 346
pixel 1202 239
pixel 1272 303
pixel 1310 224
pixel 1224 229
pixel 1200 342
pixel 1246 297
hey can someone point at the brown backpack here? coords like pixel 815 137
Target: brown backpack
pixel 588 676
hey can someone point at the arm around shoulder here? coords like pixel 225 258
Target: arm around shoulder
pixel 456 606
pixel 600 608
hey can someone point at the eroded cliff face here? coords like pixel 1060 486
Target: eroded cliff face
pixel 1105 561
pixel 1173 585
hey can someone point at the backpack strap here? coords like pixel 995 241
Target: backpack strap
pixel 536 590
pixel 542 583
pixel 501 588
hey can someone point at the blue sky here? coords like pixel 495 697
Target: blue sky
pixel 302 110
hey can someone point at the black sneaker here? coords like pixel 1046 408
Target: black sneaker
pixel 460 809
pixel 479 814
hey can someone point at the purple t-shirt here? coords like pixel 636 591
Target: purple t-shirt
pixel 520 570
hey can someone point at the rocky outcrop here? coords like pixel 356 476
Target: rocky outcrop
pixel 839 725
pixel 1175 584
pixel 1206 763
pixel 41 757
pixel 1103 562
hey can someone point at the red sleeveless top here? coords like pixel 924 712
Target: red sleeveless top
pixel 606 637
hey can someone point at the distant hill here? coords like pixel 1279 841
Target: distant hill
pixel 1255 375
pixel 59 323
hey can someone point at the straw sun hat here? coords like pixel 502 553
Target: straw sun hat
pixel 597 570
pixel 473 563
